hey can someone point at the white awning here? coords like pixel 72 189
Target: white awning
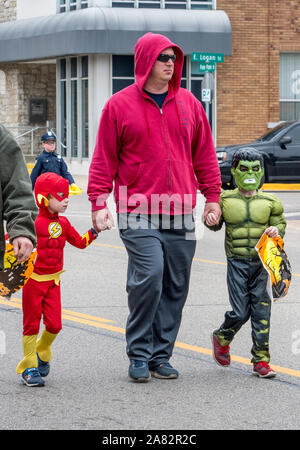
pixel 113 31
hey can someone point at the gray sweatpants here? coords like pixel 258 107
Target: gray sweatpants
pixel 159 265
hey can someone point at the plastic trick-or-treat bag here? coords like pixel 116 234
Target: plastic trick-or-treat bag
pixel 14 275
pixel 275 261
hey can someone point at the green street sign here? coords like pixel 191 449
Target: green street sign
pixel 207 67
pixel 207 57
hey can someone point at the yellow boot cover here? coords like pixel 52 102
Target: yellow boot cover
pixel 43 346
pixel 30 358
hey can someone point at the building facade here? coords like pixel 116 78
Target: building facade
pixel 61 60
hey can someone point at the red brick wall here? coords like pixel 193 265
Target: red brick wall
pixel 248 81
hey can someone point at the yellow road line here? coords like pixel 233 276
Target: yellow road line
pixel 87 316
pixel 17 303
pixel 10 302
pixel 222 263
pixel 93 323
pixel 96 322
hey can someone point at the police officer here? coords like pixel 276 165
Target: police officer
pixel 50 161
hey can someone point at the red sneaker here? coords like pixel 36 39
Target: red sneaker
pixel 263 370
pixel 220 353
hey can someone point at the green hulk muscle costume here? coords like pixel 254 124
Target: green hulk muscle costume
pixel 246 218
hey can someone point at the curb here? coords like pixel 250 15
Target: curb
pixel 281 187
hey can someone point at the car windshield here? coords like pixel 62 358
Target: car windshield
pixel 268 136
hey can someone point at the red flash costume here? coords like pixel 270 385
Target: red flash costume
pixel 41 295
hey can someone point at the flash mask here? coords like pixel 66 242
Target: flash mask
pixel 50 183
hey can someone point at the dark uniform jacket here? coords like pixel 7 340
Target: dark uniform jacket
pixel 50 162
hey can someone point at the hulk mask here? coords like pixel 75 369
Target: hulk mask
pixel 248 174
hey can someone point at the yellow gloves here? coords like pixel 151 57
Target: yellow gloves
pixel 74 189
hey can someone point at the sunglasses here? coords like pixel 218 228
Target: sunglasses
pixel 163 57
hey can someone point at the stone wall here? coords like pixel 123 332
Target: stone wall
pixel 22 82
pixel 8 10
pixel 19 83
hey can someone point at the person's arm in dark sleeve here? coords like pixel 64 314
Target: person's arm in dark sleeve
pixel 19 208
pixel 36 171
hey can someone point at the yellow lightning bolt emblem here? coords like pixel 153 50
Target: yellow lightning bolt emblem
pixel 87 238
pixel 55 230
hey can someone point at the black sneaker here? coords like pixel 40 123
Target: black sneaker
pixel 138 371
pixel 43 366
pixel 164 371
pixel 31 377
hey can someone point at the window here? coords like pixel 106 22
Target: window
pixel 71 5
pixel 184 81
pixel 63 107
pixel 62 5
pixel 85 106
pixel 290 86
pixel 122 72
pixel 176 4
pixel 74 103
pixel 203 4
pixel 167 4
pixel 74 107
pixel 294 133
pixel 149 4
pixel 196 88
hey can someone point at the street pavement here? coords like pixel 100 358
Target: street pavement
pixel 88 387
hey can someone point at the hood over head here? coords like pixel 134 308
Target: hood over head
pixel 146 51
pixel 50 183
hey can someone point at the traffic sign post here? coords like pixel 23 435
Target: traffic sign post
pixel 207 65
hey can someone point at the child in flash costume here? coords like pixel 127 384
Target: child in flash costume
pixel 41 295
pixel 247 213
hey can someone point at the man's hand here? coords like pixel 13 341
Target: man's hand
pixel 102 220
pixel 272 232
pixel 22 248
pixel 212 213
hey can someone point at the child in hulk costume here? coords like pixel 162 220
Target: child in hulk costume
pixel 247 213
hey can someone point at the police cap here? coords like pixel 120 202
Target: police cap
pixel 49 136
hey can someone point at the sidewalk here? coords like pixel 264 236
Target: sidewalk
pixel 81 181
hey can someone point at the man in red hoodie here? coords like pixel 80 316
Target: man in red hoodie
pixel 155 144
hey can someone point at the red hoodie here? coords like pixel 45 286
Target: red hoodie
pixel 158 158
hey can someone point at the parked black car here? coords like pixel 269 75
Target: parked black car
pixel 280 148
